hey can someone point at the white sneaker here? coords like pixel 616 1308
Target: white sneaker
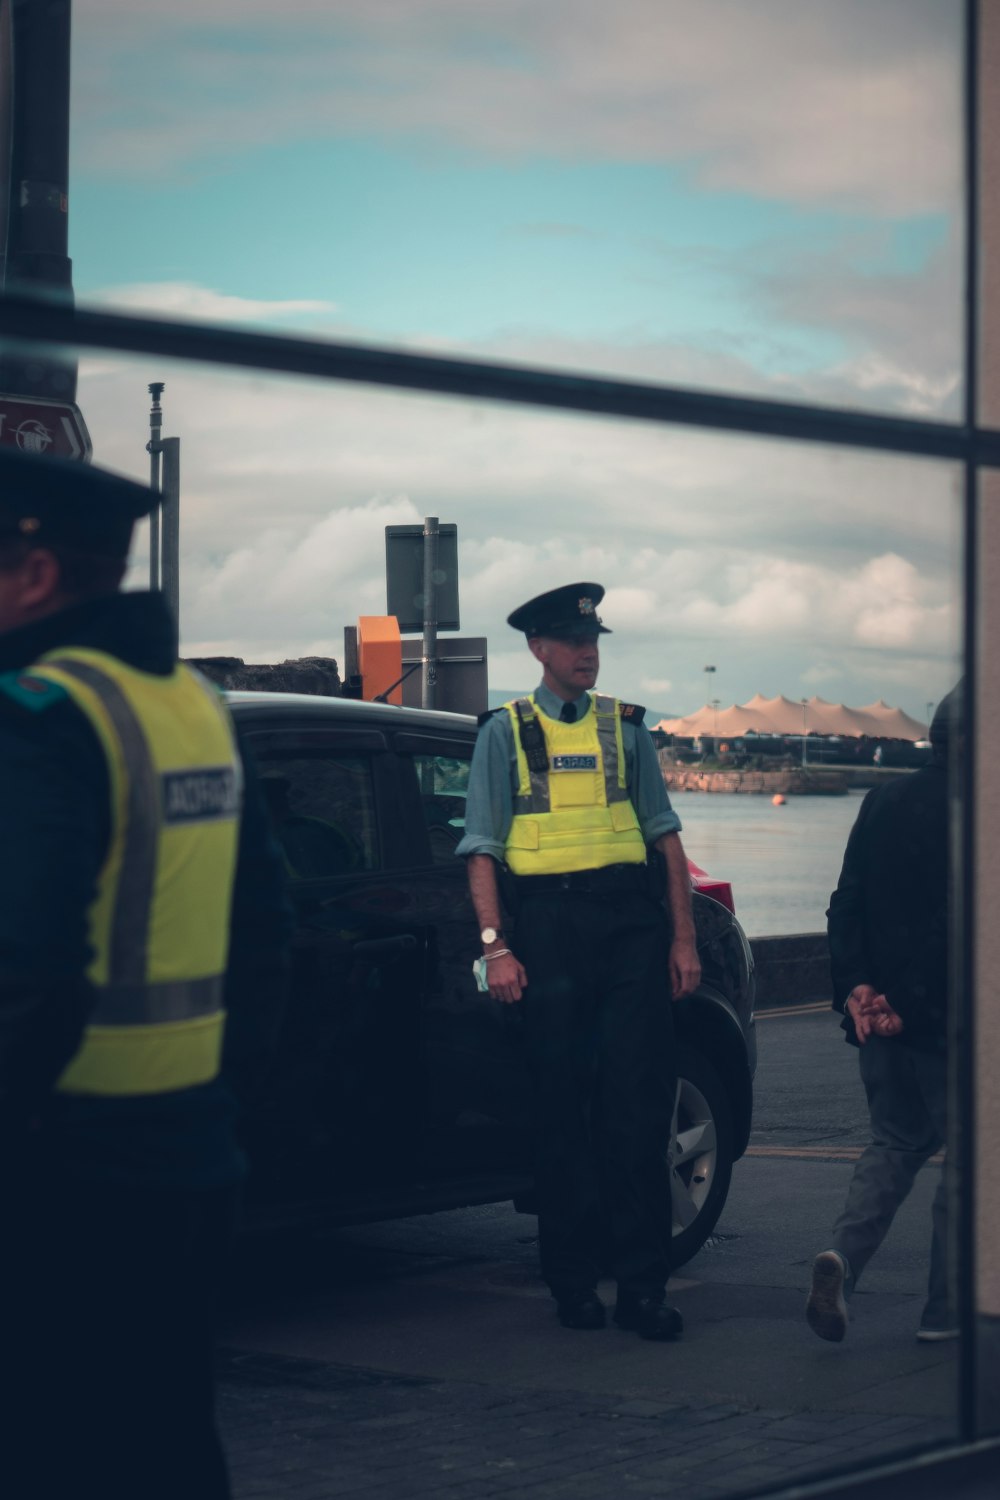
pixel 826 1309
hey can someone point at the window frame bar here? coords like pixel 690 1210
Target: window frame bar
pixel 33 321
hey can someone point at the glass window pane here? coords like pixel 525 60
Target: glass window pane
pixel 757 198
pixel 443 782
pixel 736 570
pixel 322 811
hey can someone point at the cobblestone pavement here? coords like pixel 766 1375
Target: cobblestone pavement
pixel 309 1430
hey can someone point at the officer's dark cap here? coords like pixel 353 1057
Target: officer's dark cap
pixel 567 613
pixel 56 501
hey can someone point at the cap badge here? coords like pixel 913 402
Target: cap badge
pixel 585 605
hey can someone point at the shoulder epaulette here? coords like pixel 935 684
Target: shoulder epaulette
pixel 33 693
pixel 484 718
pixel 632 713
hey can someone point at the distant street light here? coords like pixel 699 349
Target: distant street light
pixel 805 704
pixel 930 705
pixel 707 670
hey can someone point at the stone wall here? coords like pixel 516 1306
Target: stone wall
pixel 791 970
pixel 318 675
pixel 794 781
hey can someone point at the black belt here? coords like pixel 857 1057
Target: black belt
pixel 608 878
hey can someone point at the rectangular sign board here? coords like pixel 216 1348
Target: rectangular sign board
pixel 461 675
pixel 404 576
pixel 37 425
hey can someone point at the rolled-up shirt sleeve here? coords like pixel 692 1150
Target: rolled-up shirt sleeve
pixel 489 804
pixel 647 789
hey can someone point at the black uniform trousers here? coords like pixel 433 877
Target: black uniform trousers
pixel 599 1029
pixel 107 1339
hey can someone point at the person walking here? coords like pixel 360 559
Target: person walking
pixel 141 903
pixel 888 936
pixel 567 813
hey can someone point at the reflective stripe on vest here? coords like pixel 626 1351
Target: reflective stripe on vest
pixel 576 813
pixel 533 789
pixel 159 924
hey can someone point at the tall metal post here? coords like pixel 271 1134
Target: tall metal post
pixel 170 523
pixel 34 180
pixel 804 702
pixel 428 692
pixel 154 448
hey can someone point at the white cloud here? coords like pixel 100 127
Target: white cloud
pixel 855 102
pixel 820 673
pixel 185 299
pixel 763 558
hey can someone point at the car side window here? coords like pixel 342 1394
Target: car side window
pixel 443 781
pixel 322 812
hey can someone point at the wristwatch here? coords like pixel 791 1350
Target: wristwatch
pixel 489 935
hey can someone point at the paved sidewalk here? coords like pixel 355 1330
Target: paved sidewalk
pixel 308 1430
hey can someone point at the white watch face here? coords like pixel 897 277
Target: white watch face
pixel 488 935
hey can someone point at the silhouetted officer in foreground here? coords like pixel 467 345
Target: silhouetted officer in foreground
pixel 140 904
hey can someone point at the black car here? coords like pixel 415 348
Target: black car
pixel 397 1086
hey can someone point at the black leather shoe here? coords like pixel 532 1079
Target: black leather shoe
pixel 650 1317
pixel 580 1310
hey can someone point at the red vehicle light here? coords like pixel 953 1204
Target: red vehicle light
pixel 707 885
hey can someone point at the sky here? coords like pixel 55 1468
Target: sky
pixel 759 198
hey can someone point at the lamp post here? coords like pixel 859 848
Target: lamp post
pixel 715 716
pixel 805 704
pixel 707 670
pixel 930 705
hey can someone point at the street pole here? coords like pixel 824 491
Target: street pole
pixel 804 702
pixel 170 513
pixel 155 449
pixel 34 179
pixel 428 690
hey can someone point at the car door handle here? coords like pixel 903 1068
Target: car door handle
pixel 379 947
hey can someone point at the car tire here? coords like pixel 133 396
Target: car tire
pixel 701 1152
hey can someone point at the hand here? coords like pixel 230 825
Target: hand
pixel 685 967
pixel 506 978
pixel 860 996
pixel 883 1020
pixel 872 1014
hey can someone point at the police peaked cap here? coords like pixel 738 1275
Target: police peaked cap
pixel 569 611
pixel 47 501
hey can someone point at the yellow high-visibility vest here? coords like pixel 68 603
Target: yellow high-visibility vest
pixel 159 923
pixel 575 814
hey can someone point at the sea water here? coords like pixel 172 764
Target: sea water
pixel 783 862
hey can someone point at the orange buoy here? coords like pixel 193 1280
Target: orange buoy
pixel 778 800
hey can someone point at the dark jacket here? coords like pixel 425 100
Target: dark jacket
pixel 55 816
pixel 888 919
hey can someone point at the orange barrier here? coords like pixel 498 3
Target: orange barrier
pixel 380 657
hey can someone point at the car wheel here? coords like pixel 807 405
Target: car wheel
pixel 701 1152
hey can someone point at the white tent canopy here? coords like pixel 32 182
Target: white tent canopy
pixel 786 717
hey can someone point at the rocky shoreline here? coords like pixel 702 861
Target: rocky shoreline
pixel 790 781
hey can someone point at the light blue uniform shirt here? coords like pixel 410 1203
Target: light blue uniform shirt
pixel 493 780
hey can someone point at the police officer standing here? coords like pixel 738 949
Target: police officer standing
pixel 140 901
pixel 567 816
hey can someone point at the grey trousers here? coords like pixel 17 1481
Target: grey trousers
pixel 907 1101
